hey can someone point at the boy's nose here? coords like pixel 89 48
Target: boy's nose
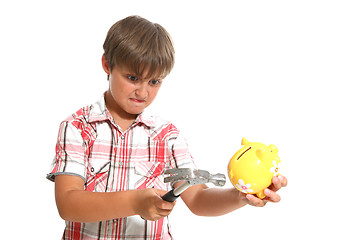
pixel 141 90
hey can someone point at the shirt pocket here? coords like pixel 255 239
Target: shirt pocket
pixel 97 175
pixel 149 175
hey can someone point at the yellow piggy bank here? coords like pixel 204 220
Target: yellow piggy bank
pixel 251 169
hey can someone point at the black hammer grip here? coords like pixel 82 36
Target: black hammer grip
pixel 170 196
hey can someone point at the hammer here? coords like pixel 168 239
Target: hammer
pixel 191 177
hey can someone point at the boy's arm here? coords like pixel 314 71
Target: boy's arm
pixel 77 205
pixel 205 201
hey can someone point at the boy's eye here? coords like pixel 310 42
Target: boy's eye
pixel 155 82
pixel 132 78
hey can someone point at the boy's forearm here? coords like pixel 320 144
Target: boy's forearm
pixel 217 201
pixel 83 206
pixel 77 205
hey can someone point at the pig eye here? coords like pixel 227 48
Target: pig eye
pixel 272 148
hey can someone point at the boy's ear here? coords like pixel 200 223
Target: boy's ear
pixel 105 65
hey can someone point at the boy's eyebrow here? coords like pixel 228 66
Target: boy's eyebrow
pixel 145 78
pixel 154 78
pixel 128 70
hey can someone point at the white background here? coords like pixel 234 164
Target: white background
pixel 281 72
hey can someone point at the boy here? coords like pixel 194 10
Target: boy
pixel 110 156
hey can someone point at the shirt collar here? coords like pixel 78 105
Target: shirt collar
pixel 99 112
pixel 146 119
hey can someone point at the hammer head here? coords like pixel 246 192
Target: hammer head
pixel 194 176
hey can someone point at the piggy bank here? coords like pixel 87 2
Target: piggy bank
pixel 252 168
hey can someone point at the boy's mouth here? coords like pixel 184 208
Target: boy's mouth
pixel 137 100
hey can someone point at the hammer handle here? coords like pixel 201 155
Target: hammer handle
pixel 172 195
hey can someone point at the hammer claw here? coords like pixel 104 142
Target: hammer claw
pixel 193 177
pixel 176 175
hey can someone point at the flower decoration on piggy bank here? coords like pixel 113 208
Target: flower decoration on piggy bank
pixel 252 168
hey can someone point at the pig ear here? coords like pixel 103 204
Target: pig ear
pixel 260 153
pixel 273 148
pixel 244 141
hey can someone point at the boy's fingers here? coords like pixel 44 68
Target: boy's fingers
pixel 166 205
pixel 254 201
pixel 162 204
pixel 283 181
pixel 276 183
pixel 273 196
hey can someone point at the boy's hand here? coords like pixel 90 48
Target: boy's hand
pixel 271 195
pixel 150 206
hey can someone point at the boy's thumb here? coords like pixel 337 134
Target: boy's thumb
pixel 159 192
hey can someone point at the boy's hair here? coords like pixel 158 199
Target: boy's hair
pixel 140 45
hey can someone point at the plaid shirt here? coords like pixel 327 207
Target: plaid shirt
pixel 91 145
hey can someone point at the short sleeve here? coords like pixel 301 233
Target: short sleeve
pixel 70 157
pixel 180 155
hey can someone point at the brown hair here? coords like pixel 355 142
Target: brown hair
pixel 140 45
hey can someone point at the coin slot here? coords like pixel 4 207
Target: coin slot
pixel 243 153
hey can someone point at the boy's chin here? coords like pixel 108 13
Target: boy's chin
pixel 135 112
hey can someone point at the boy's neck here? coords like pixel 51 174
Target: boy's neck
pixel 121 118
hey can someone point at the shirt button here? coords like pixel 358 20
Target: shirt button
pixel 122 137
pixel 92 169
pixel 115 220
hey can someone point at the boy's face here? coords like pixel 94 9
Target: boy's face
pixel 131 94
